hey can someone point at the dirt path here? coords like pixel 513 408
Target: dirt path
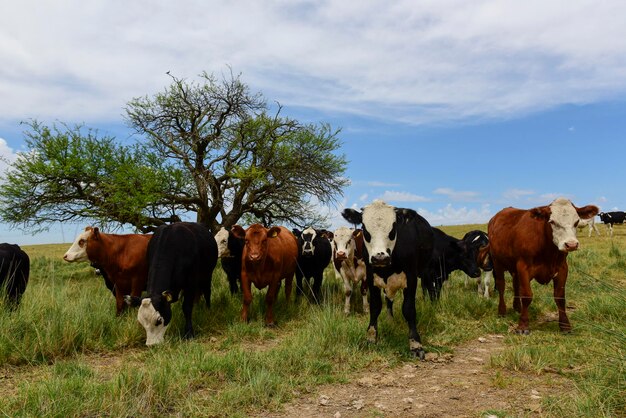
pixel 450 385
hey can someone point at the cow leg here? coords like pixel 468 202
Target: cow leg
pixel 487 280
pixel 408 310
pixel 525 297
pixel 516 292
pixel 347 290
pixel 376 305
pixel 270 298
pixel 288 287
pixel 187 309
pixel 499 278
pixel 119 302
pixel 317 286
pixel 366 306
pixel 559 298
pixel 232 283
pixel 247 296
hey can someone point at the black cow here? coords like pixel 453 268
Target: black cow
pixel 612 218
pixel 398 245
pixel 181 257
pixel 229 251
pixel 448 254
pixel 314 254
pixel 479 247
pixel 14 272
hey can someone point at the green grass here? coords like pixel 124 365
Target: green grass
pixel 66 353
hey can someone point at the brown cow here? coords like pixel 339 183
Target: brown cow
pixel 122 258
pixel 269 255
pixel 533 244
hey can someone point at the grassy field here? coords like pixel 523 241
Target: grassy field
pixel 65 353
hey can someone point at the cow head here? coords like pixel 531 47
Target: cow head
pixel 380 224
pixel 307 241
pixel 155 314
pixel 255 238
pixel 468 258
pixel 78 249
pixel 222 243
pixel 343 243
pixel 474 241
pixel 563 218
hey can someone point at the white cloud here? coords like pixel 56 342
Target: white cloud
pixel 450 215
pixel 392 196
pixel 457 195
pixel 363 197
pixel 382 184
pixel 516 194
pixel 7 156
pixel 451 60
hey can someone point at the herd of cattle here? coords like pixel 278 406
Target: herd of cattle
pixel 385 252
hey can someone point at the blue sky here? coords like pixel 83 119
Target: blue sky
pixel 456 109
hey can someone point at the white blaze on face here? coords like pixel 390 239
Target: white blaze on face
pixel 378 224
pixel 222 243
pixel 152 322
pixel 308 235
pixel 343 244
pixel 78 250
pixel 563 220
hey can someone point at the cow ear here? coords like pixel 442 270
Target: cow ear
pixel 541 212
pixel 328 235
pixel 168 296
pixel 587 212
pixel 353 216
pixel 238 231
pixel 96 232
pixel 273 232
pixel 296 232
pixel 357 233
pixel 405 215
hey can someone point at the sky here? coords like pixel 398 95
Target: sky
pixel 456 109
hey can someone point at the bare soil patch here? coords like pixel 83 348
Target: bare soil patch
pixel 448 385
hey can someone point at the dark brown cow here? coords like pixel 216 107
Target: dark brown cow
pixel 269 255
pixel 123 258
pixel 533 244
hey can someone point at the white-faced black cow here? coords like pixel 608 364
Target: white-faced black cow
pixel 398 245
pixel 479 247
pixel 181 257
pixel 612 218
pixel 14 272
pixel 314 253
pixel 449 254
pixel 229 251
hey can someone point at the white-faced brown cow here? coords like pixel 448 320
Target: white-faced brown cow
pixel 533 244
pixel 269 255
pixel 122 258
pixel 349 263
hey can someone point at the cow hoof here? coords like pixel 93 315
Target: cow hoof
pixel 372 335
pixel 418 353
pixel 522 331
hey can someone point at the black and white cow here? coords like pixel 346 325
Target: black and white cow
pixel 314 253
pixel 449 254
pixel 479 247
pixel 181 258
pixel 612 218
pixel 14 272
pixel 398 245
pixel 590 223
pixel 229 251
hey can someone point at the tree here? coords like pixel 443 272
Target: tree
pixel 211 147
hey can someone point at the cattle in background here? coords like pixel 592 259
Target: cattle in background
pixel 398 245
pixel 349 263
pixel 120 258
pixel 612 218
pixel 448 254
pixel 181 258
pixel 14 273
pixel 269 255
pixel 479 246
pixel 314 253
pixel 229 251
pixel 533 244
pixel 591 223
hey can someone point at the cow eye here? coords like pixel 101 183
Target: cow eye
pixel 81 242
pixel 392 234
pixel 576 223
pixel 366 234
pixel 159 321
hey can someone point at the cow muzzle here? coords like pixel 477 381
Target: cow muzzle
pixel 570 246
pixel 340 256
pixel 380 260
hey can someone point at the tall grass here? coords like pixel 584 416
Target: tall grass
pixel 66 353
